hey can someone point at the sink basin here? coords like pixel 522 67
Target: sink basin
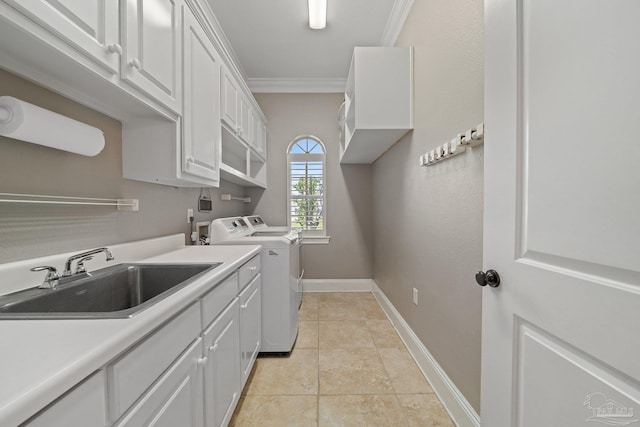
pixel 118 291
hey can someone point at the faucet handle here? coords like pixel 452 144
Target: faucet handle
pixel 80 268
pixel 51 279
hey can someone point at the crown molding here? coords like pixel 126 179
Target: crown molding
pixel 297 85
pixel 227 52
pixel 398 15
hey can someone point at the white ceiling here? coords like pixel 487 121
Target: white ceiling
pixel 277 50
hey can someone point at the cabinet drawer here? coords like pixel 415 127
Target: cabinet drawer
pixel 139 368
pixel 249 270
pixel 218 298
pixel 83 406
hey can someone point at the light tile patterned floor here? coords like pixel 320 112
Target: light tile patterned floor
pixel 348 368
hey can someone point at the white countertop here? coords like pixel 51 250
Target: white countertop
pixel 41 359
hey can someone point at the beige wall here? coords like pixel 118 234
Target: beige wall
pixel 428 220
pixel 28 231
pixel 349 220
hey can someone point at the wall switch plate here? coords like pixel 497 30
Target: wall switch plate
pixel 415 296
pixel 189 215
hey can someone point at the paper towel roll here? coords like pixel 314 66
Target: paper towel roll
pixel 28 122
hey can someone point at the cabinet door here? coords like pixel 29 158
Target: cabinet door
pixel 250 326
pixel 89 26
pixel 202 136
pixel 229 101
pixel 152 45
pixel 245 113
pixel 262 141
pixel 222 368
pixel 255 123
pixel 176 399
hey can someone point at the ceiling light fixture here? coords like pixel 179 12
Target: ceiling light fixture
pixel 317 14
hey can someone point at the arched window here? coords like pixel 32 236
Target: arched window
pixel 306 185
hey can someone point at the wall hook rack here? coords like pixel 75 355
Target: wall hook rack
pixel 462 141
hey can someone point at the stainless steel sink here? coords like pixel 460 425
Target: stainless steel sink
pixel 118 291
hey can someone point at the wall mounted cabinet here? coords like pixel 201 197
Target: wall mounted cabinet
pixel 202 136
pixel 243 137
pixel 159 67
pixel 186 152
pixel 378 108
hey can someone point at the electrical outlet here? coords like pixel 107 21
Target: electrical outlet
pixel 415 296
pixel 189 215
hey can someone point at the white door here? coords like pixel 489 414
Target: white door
pixel 151 46
pixel 561 342
pixel 90 26
pixel 202 140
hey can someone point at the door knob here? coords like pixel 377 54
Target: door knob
pixel 491 278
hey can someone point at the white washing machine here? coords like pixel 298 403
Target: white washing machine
pixel 281 279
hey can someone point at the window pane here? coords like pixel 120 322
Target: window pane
pixel 297 149
pixel 306 186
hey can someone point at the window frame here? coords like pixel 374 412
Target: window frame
pixel 305 157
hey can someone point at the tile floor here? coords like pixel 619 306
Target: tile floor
pixel 348 368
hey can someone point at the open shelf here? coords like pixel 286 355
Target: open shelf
pixel 241 164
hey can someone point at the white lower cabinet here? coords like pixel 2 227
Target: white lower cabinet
pixel 222 367
pixel 188 373
pixel 250 326
pixel 175 399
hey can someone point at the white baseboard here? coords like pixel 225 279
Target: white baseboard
pixel 452 399
pixel 336 285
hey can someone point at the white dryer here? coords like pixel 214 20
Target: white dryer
pixel 280 264
pixel 257 223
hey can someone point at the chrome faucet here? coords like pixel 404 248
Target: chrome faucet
pixel 84 256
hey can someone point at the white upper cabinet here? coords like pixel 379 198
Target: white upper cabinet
pixel 151 37
pixel 378 108
pixel 243 129
pixel 201 111
pixel 89 26
pixel 229 101
pixel 188 118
